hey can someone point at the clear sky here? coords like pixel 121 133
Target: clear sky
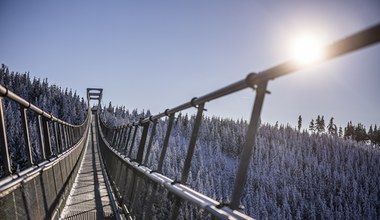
pixel 159 54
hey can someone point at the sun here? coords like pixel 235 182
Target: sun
pixel 307 48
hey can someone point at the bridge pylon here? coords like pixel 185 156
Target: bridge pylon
pixel 94 94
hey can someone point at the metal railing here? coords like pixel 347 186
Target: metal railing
pixel 129 175
pixel 39 191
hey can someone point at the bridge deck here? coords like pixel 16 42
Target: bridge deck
pixel 89 198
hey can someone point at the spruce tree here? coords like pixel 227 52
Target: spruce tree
pixel 299 122
pixel 340 132
pixel 312 126
pixel 376 135
pixel 360 133
pixel 331 127
pixel 370 134
pixel 317 123
pixel 349 131
pixel 321 125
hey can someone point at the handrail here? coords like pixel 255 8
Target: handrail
pixel 65 134
pixel 9 183
pixel 118 138
pixel 43 184
pixel 4 92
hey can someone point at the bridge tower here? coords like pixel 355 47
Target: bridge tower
pixel 94 94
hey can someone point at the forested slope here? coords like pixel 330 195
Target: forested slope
pixel 293 174
pixel 63 103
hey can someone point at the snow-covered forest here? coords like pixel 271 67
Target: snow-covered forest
pixel 318 173
pixel 62 103
pixel 294 174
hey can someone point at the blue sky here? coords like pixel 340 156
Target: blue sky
pixel 159 54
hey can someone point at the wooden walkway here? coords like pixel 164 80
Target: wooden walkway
pixel 89 198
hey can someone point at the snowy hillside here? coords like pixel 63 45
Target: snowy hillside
pixel 64 104
pixel 297 175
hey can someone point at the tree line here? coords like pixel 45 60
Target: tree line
pixel 353 132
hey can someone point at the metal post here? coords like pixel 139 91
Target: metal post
pixel 4 143
pixel 142 143
pixel 250 142
pixel 41 136
pixel 133 141
pixel 70 135
pixel 122 140
pixel 119 138
pixel 114 138
pixel 166 143
pixel 25 127
pixel 189 156
pixel 57 144
pixel 120 133
pixel 47 143
pixel 72 141
pixel 65 136
pixel 109 135
pixel 129 137
pixel 78 134
pixel 150 143
pixel 193 140
pixel 61 137
pixel 75 134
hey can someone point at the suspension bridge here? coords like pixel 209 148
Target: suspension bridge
pixel 91 171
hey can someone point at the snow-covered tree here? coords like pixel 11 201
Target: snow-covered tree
pixel 299 122
pixel 312 126
pixel 331 127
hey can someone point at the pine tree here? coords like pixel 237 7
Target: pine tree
pixel 340 132
pixel 317 123
pixel 349 131
pixel 376 135
pixel 299 122
pixel 110 108
pixel 320 124
pixel 312 126
pixel 370 134
pixel 331 127
pixel 360 133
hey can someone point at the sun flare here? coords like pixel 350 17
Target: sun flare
pixel 307 49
